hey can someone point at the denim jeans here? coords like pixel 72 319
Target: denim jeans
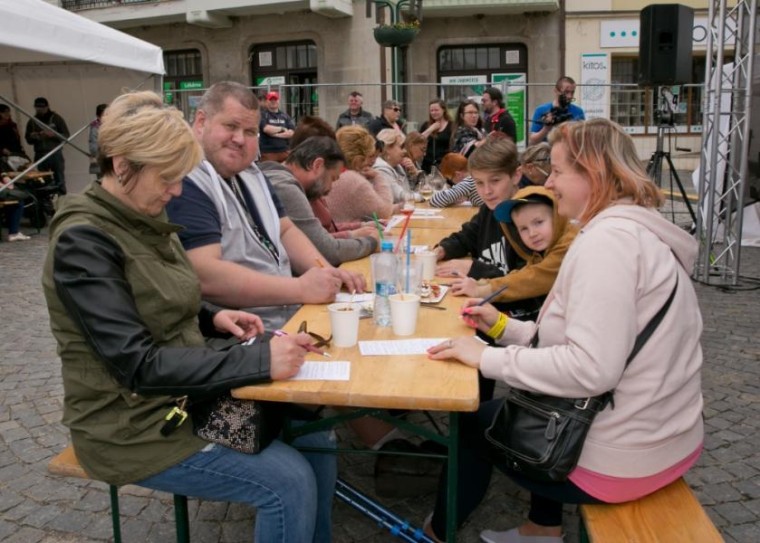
pixel 291 491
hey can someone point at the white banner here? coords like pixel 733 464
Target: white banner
pixel 595 92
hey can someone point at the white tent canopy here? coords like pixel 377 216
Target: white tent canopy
pixel 75 63
pixel 35 31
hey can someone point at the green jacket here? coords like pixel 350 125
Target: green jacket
pixel 124 304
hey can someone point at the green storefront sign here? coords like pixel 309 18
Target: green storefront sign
pixel 513 86
pixel 190 85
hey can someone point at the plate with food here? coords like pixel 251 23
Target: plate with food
pixel 431 292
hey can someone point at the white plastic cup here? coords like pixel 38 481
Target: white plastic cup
pixel 429 262
pixel 404 310
pixel 409 278
pixel 344 321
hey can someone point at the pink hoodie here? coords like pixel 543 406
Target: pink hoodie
pixel 617 274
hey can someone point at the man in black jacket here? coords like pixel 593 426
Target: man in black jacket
pixel 355 114
pixel 497 117
pixel 42 136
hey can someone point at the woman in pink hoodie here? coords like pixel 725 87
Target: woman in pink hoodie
pixel 618 273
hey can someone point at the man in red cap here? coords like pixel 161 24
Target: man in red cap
pixel 276 130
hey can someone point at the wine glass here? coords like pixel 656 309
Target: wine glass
pixel 409 202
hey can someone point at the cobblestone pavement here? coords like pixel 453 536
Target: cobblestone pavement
pixel 36 507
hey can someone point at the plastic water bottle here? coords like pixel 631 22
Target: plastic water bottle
pixel 385 283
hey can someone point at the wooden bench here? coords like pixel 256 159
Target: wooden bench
pixel 66 464
pixel 670 515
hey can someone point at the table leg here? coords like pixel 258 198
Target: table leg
pixel 451 490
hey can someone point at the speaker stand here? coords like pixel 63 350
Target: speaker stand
pixel 654 171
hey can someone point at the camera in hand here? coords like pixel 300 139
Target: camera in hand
pixel 558 114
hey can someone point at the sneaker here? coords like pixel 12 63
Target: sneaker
pixel 18 236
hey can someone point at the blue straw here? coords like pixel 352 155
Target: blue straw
pixel 408 257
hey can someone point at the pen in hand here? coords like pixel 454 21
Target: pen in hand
pixel 466 310
pixel 310 348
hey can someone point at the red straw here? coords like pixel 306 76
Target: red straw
pixel 403 231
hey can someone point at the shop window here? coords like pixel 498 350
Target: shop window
pixel 183 83
pixel 277 64
pixel 637 108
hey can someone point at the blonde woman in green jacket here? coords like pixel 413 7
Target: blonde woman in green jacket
pixel 125 309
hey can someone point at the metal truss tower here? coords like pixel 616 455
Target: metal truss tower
pixel 725 140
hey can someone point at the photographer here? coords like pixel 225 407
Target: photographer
pixel 561 109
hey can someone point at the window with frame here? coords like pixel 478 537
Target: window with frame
pixel 635 108
pixel 477 64
pixel 183 83
pixel 183 64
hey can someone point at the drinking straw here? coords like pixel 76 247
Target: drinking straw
pixel 408 256
pixel 403 231
pixel 377 225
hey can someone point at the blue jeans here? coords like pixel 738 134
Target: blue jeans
pixel 291 491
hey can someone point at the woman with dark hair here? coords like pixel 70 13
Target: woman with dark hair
pixel 437 130
pixel 469 132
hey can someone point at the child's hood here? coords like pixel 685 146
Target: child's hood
pixel 559 224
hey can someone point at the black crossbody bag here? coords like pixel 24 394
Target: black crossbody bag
pixel 542 436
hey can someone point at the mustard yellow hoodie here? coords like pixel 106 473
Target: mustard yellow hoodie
pixel 537 276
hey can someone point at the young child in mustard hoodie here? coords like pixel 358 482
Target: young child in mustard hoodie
pixel 534 229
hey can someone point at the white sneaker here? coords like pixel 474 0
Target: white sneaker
pixel 18 236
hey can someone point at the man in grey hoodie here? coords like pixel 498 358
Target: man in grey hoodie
pixel 308 174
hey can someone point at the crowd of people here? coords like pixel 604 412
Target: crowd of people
pixel 225 227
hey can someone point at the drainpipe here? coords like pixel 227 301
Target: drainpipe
pixel 562 41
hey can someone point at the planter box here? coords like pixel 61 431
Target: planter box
pixel 389 36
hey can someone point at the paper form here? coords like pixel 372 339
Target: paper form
pixel 338 370
pixel 398 346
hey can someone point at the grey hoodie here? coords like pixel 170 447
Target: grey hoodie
pixel 293 198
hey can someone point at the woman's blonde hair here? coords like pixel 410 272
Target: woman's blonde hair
pixel 495 155
pixel 390 137
pixel 414 138
pixel 139 127
pixel 606 156
pixel 357 145
pixel 540 152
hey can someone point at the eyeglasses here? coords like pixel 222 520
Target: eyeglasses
pixel 396 109
pixel 320 341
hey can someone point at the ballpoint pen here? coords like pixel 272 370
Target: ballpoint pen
pixel 310 348
pixel 466 310
pixel 491 296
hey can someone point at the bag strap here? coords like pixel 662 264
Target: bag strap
pixel 641 339
pixel 651 326
pixel 598 403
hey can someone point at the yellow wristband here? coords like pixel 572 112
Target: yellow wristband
pixel 498 328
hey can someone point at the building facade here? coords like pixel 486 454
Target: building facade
pixel 317 51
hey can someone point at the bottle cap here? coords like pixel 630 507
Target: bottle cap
pixel 386 245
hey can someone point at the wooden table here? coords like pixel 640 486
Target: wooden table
pixel 453 217
pixel 392 382
pixel 34 175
